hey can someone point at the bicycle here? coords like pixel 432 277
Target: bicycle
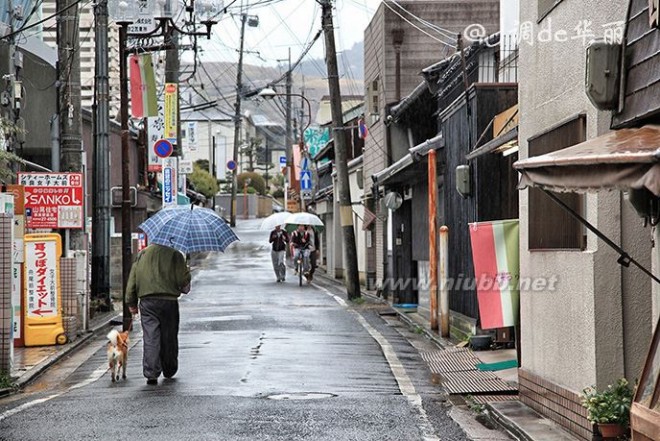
pixel 302 264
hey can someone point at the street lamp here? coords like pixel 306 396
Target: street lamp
pixel 124 13
pixel 268 94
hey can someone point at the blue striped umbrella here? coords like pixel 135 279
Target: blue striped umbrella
pixel 189 229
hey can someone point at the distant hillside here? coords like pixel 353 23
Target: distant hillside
pixel 350 63
pixel 217 80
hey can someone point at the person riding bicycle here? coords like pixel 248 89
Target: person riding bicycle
pixel 302 242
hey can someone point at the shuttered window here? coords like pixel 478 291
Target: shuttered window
pixel 551 226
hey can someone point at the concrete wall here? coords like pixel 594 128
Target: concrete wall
pixel 573 335
pixel 206 130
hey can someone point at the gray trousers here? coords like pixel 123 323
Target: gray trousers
pixel 278 264
pixel 160 329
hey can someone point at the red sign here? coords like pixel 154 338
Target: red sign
pixel 53 200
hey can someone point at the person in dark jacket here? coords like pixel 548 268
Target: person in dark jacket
pixel 158 277
pixel 279 239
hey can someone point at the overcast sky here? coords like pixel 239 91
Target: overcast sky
pixel 285 24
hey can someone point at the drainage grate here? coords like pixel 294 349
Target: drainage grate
pixel 450 360
pixel 301 396
pixel 471 382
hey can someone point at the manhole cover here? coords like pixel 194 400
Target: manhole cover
pixel 301 396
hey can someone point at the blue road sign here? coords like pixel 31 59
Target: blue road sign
pixel 163 148
pixel 283 161
pixel 231 165
pixel 168 194
pixel 305 180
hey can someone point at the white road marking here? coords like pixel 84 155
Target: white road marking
pixel 27 405
pixel 98 373
pixel 406 386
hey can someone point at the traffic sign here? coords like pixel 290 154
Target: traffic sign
pixel 163 148
pixel 231 165
pixel 304 163
pixel 305 180
pixel 306 194
pixel 282 162
pixel 170 185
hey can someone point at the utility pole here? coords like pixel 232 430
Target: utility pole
pixel 290 177
pixel 237 123
pixel 101 161
pixel 68 47
pixel 11 81
pixel 344 190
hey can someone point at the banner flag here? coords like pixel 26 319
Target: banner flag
pixel 143 86
pixel 137 105
pixel 496 258
pixel 149 97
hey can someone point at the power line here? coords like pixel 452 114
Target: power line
pixel 25 28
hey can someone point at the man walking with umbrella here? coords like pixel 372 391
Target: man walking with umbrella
pixel 158 277
pixel 279 239
pixel 160 274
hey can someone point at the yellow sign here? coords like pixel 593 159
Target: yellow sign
pixel 43 294
pixel 170 111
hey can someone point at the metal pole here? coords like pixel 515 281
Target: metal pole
pixel 433 239
pixel 289 177
pixel 444 275
pixel 68 40
pixel 126 230
pixel 344 190
pixel 245 203
pixel 215 174
pixel 101 170
pixel 237 123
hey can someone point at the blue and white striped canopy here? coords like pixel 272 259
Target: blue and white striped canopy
pixel 189 229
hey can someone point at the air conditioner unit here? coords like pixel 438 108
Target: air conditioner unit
pixel 602 74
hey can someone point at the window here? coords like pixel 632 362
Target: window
pixel 374 104
pixel 551 226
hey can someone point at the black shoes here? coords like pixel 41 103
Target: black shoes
pixel 152 381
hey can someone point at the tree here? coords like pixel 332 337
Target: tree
pixel 204 164
pixel 256 181
pixel 8 129
pixel 203 182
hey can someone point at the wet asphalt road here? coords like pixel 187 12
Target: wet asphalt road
pixel 258 360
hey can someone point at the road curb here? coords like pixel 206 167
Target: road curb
pixel 37 370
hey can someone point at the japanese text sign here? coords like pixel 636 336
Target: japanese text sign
pixel 53 200
pixel 42 256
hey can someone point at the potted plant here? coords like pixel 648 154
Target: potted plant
pixel 610 408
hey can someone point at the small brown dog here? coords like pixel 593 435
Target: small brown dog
pixel 117 353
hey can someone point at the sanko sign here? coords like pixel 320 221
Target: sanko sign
pixel 53 200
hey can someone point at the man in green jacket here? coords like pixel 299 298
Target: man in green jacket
pixel 158 277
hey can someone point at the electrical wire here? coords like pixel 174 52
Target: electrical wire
pixel 26 27
pixel 417 27
pixel 442 31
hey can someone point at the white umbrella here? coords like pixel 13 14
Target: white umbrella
pixel 274 219
pixel 303 218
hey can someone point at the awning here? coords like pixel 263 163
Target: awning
pixel 404 164
pixel 494 144
pixel 620 159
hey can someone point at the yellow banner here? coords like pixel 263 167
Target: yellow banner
pixel 171 115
